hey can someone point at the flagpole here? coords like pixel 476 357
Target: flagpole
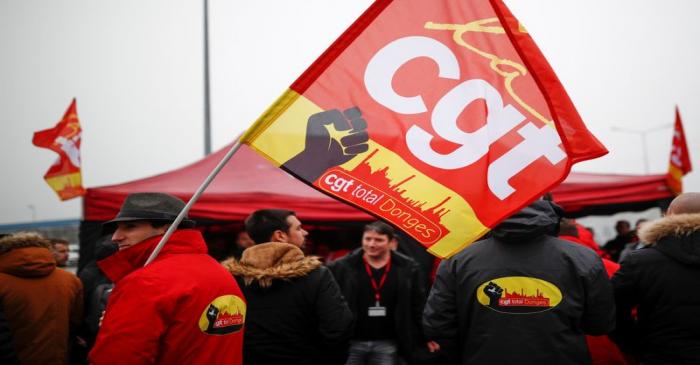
pixel 207 114
pixel 194 198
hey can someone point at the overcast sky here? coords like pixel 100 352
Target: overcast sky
pixel 135 67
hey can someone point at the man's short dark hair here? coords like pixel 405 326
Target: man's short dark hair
pixel 381 228
pixel 261 224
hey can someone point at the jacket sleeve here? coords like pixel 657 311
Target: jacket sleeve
pixel 7 347
pixel 418 297
pixel 599 314
pixel 134 321
pixel 334 316
pixel 440 321
pixel 627 296
pixel 77 307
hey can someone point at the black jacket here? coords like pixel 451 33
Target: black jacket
pixel 296 313
pixel 521 296
pixel 7 346
pixel 409 302
pixel 663 281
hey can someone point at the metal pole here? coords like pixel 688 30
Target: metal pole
pixel 207 119
pixel 643 135
pixel 194 198
pixel 646 153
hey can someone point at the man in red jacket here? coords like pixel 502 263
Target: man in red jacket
pixel 183 308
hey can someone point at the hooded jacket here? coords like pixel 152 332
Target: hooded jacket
pixel 296 314
pixel 41 302
pixel 521 296
pixel 662 281
pixel 183 308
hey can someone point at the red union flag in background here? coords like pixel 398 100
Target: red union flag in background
pixel 441 117
pixel 64 175
pixel 679 164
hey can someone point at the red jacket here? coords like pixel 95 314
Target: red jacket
pixel 183 308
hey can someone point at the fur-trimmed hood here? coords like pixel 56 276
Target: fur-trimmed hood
pixel 26 254
pixel 23 239
pixel 677 236
pixel 270 261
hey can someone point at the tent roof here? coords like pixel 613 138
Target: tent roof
pixel 249 182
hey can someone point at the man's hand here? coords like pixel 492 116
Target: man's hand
pixel 322 151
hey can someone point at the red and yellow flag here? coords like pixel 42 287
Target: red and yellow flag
pixel 679 164
pixel 440 117
pixel 64 175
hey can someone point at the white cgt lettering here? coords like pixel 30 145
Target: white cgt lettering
pixel 474 145
pixel 537 142
pixel 382 67
pixel 500 119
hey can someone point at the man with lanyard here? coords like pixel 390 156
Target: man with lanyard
pixel 386 293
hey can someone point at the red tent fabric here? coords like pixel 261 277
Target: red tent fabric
pixel 249 182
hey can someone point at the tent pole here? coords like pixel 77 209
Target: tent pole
pixel 194 198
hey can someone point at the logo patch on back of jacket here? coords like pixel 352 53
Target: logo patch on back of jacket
pixel 518 295
pixel 224 315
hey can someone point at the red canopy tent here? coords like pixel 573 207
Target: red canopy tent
pixel 249 182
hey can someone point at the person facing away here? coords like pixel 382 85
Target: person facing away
pixel 42 304
pixel 624 236
pixel 296 313
pixel 636 244
pixel 661 281
pixel 521 296
pixel 182 308
pixel 386 292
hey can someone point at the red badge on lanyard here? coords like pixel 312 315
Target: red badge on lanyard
pixel 377 310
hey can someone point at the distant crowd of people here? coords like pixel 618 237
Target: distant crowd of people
pixel 537 289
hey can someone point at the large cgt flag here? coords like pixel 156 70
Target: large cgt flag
pixel 64 175
pixel 679 164
pixel 441 117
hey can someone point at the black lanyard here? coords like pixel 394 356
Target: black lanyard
pixel 377 287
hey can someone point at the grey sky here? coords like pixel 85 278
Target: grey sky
pixel 136 70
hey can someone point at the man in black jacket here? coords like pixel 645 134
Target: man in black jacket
pixel 521 296
pixel 296 313
pixel 661 280
pixel 386 293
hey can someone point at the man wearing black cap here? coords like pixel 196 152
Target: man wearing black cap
pixel 182 308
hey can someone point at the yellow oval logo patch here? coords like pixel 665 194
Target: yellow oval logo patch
pixel 224 315
pixel 518 294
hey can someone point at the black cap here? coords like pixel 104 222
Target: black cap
pixel 152 207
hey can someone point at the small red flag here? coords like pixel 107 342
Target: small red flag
pixel 64 176
pixel 679 164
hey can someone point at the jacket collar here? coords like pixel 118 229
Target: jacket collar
pixel 266 262
pixel 355 258
pixel 672 225
pixel 124 262
pixel 676 236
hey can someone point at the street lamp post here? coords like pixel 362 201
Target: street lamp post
pixel 643 135
pixel 32 208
